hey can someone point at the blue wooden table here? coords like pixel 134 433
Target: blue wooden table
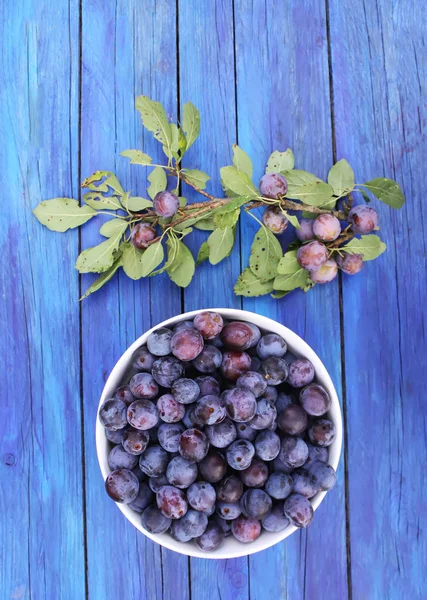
pixel 330 80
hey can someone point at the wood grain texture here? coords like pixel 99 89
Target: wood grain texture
pixel 379 81
pixel 41 524
pixel 206 53
pixel 280 56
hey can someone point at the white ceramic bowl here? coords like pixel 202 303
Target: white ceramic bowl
pixel 231 548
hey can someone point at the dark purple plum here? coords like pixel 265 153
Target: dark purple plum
pixel 301 373
pixel 181 473
pixel 170 410
pixel 144 498
pixel 142 385
pixel 246 530
pixel 274 370
pixel 312 256
pixel 316 453
pixel 270 393
pixel 273 185
pixel 256 504
pixel 241 404
pixel 228 510
pixel 322 432
pixel 246 432
pixel 154 521
pixel 122 486
pixel 235 364
pixel 255 475
pixel 283 400
pixel 275 220
pixel 209 359
pixel 185 391
pixel 252 381
pixel 154 461
pixel 230 489
pixel 171 502
pixel 323 475
pixel 350 264
pixel 264 416
pixel 141 235
pixel 326 227
pixel 279 485
pixel 156 483
pixel 363 219
pixel 165 204
pixel 159 342
pixel 298 510
pixel 292 420
pixel 304 483
pixel 142 360
pixel 193 523
pixel 237 336
pixel 201 496
pixel 118 458
pixel 240 454
pixel 256 334
pixel 142 414
pixel 271 344
pixel 208 386
pixel 115 436
pixel 139 474
pixel 221 435
pixel 183 325
pixel 112 414
pixel 166 370
pixel 326 273
pixel 210 410
pixel 278 466
pixel 294 451
pixel 123 393
pixel 178 533
pixel 255 363
pixel 267 445
pixel 135 441
pixel 315 400
pixel 212 538
pixel 189 419
pixel 209 324
pixel 213 467
pixel 168 436
pixel 223 523
pixel 305 233
pixel 193 445
pixel 275 520
pixel 186 344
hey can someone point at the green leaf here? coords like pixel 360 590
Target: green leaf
pixel 196 177
pixel 291 281
pixel 341 177
pixel 61 214
pixel 387 191
pixel 158 181
pixel 220 243
pixel 136 203
pixel 99 258
pixel 191 123
pixel 280 161
pixel 238 183
pixel 155 120
pixel 315 193
pixel 137 157
pixel 226 218
pixel 242 161
pixel 250 285
pixel 179 143
pixel 113 227
pixel 132 260
pixel 266 253
pixel 181 269
pixel 370 246
pixel 288 263
pixel 103 181
pixel 297 178
pixel 99 202
pixel 278 295
pixel 186 231
pixel 102 279
pixel 205 224
pixel 182 201
pixel 151 258
pixel 203 253
pixel 231 205
pixel 293 220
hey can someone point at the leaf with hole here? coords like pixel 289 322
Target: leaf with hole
pixel 102 279
pixel 196 177
pixel 280 161
pixel 158 182
pixel 137 157
pixel 370 246
pixel 291 281
pixel 154 119
pixel 191 123
pixel 387 191
pixel 266 253
pixel 61 214
pixel 251 286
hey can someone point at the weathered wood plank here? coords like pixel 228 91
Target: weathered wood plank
pixel 283 100
pixel 206 55
pixel 41 495
pixel 379 83
pixel 132 50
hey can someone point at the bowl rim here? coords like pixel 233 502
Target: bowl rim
pixel 295 343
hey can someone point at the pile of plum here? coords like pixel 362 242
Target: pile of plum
pixel 219 431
